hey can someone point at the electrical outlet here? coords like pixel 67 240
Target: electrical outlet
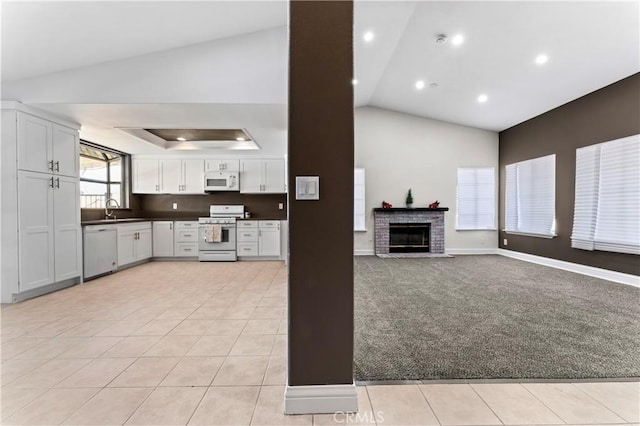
pixel 175 206
pixel 280 206
pixel 504 242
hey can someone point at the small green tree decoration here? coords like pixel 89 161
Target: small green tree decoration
pixel 409 200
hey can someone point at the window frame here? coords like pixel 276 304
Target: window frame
pixel 363 215
pixel 123 179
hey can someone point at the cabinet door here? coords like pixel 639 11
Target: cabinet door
pixel 274 176
pixel 35 230
pixel 269 242
pixel 171 176
pixel 143 245
pixel 146 175
pixel 163 239
pixel 66 210
pixel 193 176
pixel 218 165
pixel 34 144
pixel 126 247
pixel 65 151
pixel 251 177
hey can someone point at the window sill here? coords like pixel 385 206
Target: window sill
pixel 528 234
pixel 360 230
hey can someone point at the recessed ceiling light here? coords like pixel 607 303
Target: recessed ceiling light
pixel 457 39
pixel 181 139
pixel 541 59
pixel 354 81
pixel 240 138
pixel 419 84
pixel 483 98
pixel 368 36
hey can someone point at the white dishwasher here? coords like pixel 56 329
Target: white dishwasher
pixel 100 250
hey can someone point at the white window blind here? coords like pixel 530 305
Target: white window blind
pixel 358 200
pixel 607 201
pixel 476 201
pixel 530 197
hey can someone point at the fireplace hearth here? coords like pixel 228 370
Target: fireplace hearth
pixel 409 237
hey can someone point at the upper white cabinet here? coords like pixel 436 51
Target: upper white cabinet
pixel 151 176
pixel 46 147
pixel 218 165
pixel 262 176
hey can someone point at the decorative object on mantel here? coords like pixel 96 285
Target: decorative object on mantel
pixel 386 205
pixel 434 205
pixel 409 200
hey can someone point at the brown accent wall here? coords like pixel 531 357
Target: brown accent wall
pixel 321 232
pixel 610 113
pixel 261 206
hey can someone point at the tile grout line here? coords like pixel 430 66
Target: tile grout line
pixel 542 402
pixel 599 403
pixel 487 404
pixel 429 404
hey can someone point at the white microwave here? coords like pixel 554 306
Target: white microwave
pixel 221 181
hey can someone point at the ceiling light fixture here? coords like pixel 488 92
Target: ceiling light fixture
pixel 240 139
pixel 457 39
pixel 441 39
pixel 368 36
pixel 181 139
pixel 354 81
pixel 419 84
pixel 483 98
pixel 541 59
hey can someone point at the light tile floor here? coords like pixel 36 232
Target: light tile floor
pixel 205 343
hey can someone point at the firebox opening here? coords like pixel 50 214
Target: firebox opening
pixel 409 237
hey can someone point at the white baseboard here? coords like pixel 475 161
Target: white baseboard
pixel 363 252
pixel 320 399
pixel 591 271
pixel 463 251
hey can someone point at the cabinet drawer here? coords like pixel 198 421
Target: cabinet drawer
pixel 186 235
pixel 269 224
pixel 247 249
pixel 181 224
pixel 248 235
pixel 247 223
pixel 186 249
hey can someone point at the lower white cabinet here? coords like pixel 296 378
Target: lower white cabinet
pixel 258 238
pixel 163 235
pixel 186 239
pixel 49 229
pixel 134 242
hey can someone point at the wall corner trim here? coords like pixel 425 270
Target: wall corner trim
pixel 605 274
pixel 320 399
pixel 464 251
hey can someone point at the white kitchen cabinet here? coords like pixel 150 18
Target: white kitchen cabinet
pixel 269 238
pixel 221 165
pixel 41 234
pixel 168 176
pixel 258 238
pixel 163 236
pixel 134 242
pixel 262 176
pixel 49 231
pixel 186 239
pixel 46 147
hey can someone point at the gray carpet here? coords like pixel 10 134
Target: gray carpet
pixel 490 317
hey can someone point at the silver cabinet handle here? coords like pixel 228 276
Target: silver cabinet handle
pixel 57 182
pixel 187 249
pixel 170 226
pixel 57 166
pixel 51 165
pixel 157 188
pixel 51 183
pixel 187 235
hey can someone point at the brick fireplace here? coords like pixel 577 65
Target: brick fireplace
pixel 412 230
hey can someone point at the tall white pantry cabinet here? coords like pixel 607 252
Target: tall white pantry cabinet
pixel 40 223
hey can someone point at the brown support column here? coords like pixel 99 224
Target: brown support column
pixel 321 231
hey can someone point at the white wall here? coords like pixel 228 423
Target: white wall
pixel 400 151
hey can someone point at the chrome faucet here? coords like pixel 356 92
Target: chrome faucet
pixel 106 208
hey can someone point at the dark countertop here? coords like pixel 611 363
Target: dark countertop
pixel 153 219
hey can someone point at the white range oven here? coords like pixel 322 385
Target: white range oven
pixel 217 234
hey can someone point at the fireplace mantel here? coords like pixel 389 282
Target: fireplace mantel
pixel 433 216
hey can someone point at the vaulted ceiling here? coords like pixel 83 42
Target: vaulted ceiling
pixel 202 64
